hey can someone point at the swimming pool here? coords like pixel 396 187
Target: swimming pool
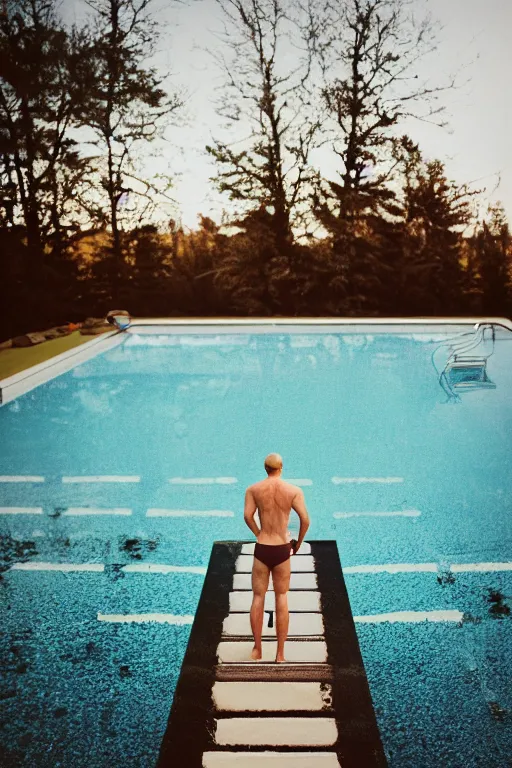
pixel 400 435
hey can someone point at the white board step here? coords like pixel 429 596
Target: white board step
pixel 270 697
pixel 270 760
pixel 297 601
pixel 297 581
pixel 314 651
pixel 277 731
pixel 301 624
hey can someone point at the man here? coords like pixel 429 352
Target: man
pixel 273 498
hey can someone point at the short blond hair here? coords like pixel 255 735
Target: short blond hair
pixel 273 462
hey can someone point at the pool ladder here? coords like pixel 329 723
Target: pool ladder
pixel 464 370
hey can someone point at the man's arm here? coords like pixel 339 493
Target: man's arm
pixel 299 505
pixel 249 512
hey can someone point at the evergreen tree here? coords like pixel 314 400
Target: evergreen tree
pixel 436 213
pixel 492 261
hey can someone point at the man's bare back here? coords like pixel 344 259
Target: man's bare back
pixel 274 499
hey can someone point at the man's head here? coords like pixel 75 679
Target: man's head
pixel 273 464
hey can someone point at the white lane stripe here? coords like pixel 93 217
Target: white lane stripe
pixel 274 731
pixel 468 567
pixel 203 480
pixel 393 568
pixel 300 482
pixel 21 510
pixel 64 567
pixel 159 568
pixel 102 479
pixel 270 759
pixel 340 480
pixel 74 511
pixel 410 616
pixel 398 513
pixel 428 568
pixel 21 479
pixel 189 513
pixel 242 581
pixel 271 696
pixel 141 618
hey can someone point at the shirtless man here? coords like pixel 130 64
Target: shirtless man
pixel 273 498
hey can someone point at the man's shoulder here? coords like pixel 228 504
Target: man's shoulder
pixel 292 488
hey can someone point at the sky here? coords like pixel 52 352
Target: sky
pixel 476 147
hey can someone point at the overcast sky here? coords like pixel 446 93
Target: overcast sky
pixel 475 40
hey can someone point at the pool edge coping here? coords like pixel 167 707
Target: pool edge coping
pixel 30 378
pixel 24 381
pixel 247 321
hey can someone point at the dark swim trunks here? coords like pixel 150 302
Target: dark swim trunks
pixel 273 554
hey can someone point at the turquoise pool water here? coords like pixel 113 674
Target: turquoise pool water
pixel 369 422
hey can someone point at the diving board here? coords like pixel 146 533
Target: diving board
pixel 314 710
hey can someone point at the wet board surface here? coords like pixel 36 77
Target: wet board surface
pixel 315 709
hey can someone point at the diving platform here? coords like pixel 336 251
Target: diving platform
pixel 313 711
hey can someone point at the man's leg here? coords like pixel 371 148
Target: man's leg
pixel 281 581
pixel 260 577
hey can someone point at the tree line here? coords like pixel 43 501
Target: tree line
pixel 384 233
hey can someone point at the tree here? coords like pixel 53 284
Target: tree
pixel 492 261
pixel 123 106
pixel 42 70
pixel 436 212
pixel 264 96
pixel 368 50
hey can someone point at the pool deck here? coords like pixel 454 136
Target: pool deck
pixel 314 710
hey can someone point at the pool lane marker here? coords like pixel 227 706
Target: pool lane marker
pixel 64 567
pixel 21 479
pixel 80 511
pixel 21 510
pixel 340 480
pixel 409 616
pixel 102 479
pixel 142 618
pixel 479 567
pixel 203 480
pixel 159 568
pixel 301 481
pixel 393 568
pixel 397 513
pixel 242 581
pixel 189 513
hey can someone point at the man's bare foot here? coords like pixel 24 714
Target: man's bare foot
pixel 256 654
pixel 280 659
